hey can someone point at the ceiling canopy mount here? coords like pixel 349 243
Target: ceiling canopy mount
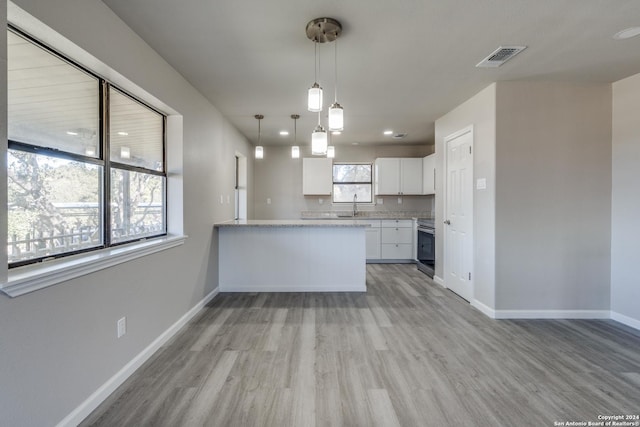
pixel 322 30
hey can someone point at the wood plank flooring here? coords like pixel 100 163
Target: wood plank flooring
pixel 406 353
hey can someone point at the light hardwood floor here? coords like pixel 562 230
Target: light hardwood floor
pixel 406 353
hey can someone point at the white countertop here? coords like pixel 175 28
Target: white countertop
pixel 290 223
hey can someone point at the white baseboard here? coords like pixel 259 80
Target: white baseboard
pixel 552 314
pixel 555 314
pixel 438 281
pixel 278 288
pixel 485 309
pixel 626 320
pixel 92 402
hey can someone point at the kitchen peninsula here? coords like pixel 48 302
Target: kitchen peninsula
pixel 291 256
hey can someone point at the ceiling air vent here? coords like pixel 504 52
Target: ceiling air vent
pixel 399 135
pixel 500 56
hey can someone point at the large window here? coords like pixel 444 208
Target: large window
pixel 85 163
pixel 351 180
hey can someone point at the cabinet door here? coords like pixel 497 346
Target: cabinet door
pixel 411 176
pixel 373 243
pixel 397 235
pixel 429 174
pixel 396 251
pixel 387 176
pixel 396 223
pixel 317 176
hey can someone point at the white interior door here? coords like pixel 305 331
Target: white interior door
pixel 458 215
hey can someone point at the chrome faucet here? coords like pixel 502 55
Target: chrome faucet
pixel 355 206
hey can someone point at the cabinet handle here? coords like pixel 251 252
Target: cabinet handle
pixel 396 229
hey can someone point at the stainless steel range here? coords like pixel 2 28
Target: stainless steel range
pixel 426 252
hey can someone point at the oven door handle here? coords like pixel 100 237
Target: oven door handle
pixel 426 230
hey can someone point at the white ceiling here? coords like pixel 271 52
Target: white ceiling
pixel 401 64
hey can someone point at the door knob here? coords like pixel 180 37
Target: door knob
pixel 447 222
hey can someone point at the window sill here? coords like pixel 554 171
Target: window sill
pixel 23 280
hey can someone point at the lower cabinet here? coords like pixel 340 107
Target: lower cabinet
pixel 372 238
pixel 396 239
pixel 389 240
pixel 396 251
pixel 373 243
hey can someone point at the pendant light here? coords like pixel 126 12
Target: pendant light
pixel 259 148
pixel 314 97
pixel 319 140
pixel 336 113
pixel 331 152
pixel 320 30
pixel 295 150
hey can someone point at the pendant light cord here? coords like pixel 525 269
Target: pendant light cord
pixel 315 62
pixel 335 62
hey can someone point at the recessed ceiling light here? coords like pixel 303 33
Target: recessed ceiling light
pixel 72 133
pixel 627 33
pixel 336 132
pixel 123 134
pixel 355 143
pixel 388 132
pixel 284 132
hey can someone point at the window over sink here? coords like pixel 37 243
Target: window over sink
pixel 351 179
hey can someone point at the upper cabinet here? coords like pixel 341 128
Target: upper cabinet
pixel 429 174
pixel 317 176
pixel 398 176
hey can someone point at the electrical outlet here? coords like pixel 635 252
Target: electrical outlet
pixel 320 201
pixel 268 200
pixel 221 199
pixel 380 201
pixel 228 199
pixel 399 200
pixel 122 327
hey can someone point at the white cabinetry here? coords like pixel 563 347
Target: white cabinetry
pixel 429 174
pixel 372 239
pixel 398 176
pixel 396 239
pixel 317 176
pixel 411 176
pixel 387 176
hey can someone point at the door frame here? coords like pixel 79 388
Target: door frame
pixel 445 185
pixel 240 186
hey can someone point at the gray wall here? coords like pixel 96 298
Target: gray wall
pixel 625 226
pixel 279 177
pixel 553 187
pixel 480 112
pixel 542 225
pixel 58 345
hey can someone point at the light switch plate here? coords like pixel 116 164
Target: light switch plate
pixel 268 200
pixel 122 326
pixel 481 184
pixel 380 201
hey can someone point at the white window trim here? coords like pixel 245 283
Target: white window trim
pixel 32 277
